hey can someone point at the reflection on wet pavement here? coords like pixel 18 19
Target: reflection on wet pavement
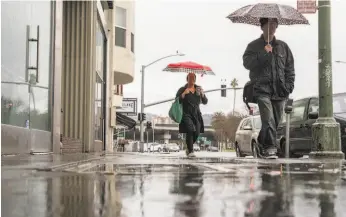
pixel 252 189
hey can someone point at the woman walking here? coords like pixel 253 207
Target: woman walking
pixel 191 96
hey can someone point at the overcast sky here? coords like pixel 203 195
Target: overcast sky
pixel 200 30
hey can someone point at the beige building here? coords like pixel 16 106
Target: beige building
pixel 62 75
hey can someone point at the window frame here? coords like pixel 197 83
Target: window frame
pixel 116 26
pixel 313 101
pixel 244 123
pixel 132 42
pixel 296 104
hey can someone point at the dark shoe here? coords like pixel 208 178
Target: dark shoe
pixel 270 153
pixel 266 153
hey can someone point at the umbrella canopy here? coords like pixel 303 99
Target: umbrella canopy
pixel 189 67
pixel 251 14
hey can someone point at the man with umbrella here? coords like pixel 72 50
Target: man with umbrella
pixel 271 65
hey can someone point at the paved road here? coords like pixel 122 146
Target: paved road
pixel 214 184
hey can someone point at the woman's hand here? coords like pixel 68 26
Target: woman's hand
pixel 187 90
pixel 200 91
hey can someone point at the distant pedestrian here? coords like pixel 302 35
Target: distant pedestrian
pixel 272 75
pixel 191 96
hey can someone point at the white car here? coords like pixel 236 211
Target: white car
pixel 196 147
pixel 246 136
pixel 155 147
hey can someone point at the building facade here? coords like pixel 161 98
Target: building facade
pixel 59 77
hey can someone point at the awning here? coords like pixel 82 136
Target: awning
pixel 129 123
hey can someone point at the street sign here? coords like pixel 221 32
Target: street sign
pixel 307 6
pixel 129 107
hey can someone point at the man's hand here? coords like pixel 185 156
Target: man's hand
pixel 268 48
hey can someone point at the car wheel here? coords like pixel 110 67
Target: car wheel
pixel 159 149
pixel 237 151
pixel 283 152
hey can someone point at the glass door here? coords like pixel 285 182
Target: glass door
pixel 25 75
pixel 100 85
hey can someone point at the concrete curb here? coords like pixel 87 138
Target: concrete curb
pixel 63 167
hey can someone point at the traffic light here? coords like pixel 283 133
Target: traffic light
pixel 223 92
pixel 142 117
pixel 149 125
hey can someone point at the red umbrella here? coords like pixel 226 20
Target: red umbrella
pixel 189 67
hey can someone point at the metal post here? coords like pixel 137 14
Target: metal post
pixel 326 131
pixel 206 91
pixel 234 100
pixel 287 146
pixel 147 138
pixel 142 106
pixel 154 131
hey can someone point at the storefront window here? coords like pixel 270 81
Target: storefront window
pixel 25 64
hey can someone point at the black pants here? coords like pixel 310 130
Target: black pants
pixel 191 138
pixel 271 112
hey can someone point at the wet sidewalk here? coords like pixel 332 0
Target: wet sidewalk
pixel 143 185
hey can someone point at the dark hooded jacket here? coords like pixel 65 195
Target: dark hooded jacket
pixel 192 116
pixel 273 73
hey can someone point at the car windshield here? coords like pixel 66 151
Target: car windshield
pixel 339 103
pixel 257 122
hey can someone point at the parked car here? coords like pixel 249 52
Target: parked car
pixel 304 114
pixel 196 147
pixel 246 136
pixel 212 148
pixel 173 147
pixel 155 147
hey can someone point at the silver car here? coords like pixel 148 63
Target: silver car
pixel 173 147
pixel 246 136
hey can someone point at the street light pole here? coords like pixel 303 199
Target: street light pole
pixel 142 90
pixel 326 131
pixel 142 107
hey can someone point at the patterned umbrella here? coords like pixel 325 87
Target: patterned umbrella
pixel 189 67
pixel 251 14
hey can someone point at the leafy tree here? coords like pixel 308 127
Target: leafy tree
pixel 225 126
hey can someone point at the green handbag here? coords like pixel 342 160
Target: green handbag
pixel 176 111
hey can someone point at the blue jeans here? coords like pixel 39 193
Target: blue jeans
pixel 271 112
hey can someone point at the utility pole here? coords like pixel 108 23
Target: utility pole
pixel 141 127
pixel 326 131
pixel 154 121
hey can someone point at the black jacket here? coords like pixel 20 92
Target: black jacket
pixel 192 120
pixel 272 73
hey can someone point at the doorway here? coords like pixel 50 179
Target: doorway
pixel 100 85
